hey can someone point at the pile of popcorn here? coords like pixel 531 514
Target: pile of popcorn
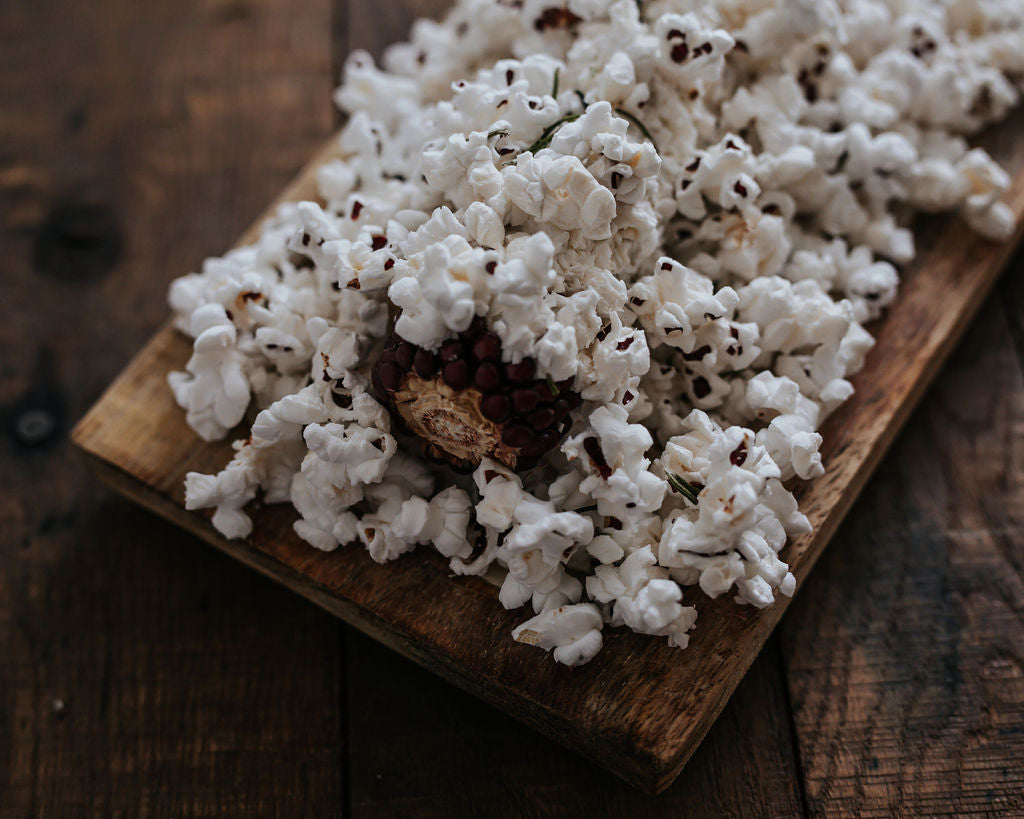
pixel 686 210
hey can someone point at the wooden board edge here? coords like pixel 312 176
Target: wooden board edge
pixel 646 771
pixel 834 519
pixel 652 772
pixel 299 188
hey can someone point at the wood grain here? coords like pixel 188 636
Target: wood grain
pixel 190 687
pixel 140 671
pixel 456 628
pixel 495 767
pixel 906 655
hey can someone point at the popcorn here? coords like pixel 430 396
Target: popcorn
pixel 574 632
pixel 610 261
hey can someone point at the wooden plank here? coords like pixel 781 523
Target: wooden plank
pixel 413 605
pixel 906 654
pixel 141 672
pixel 422 748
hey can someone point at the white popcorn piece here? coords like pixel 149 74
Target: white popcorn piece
pixel 685 212
pixel 574 632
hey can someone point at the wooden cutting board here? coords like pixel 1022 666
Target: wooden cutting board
pixel 640 708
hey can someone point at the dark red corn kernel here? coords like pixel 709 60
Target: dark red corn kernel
pixel 357 207
pixel 524 464
pixel 564 426
pixel 491 266
pixel 544 394
pixel 545 441
pixel 561 409
pixel 574 400
pixel 666 265
pixel 389 356
pixel 549 438
pixel 404 355
pixel 533 449
pixel 625 344
pixel 495 407
pixel 378 242
pixel 692 167
pixel 556 18
pixel 542 418
pixel 739 455
pixel 341 400
pixel 425 363
pixel 675 34
pixel 517 435
pixel 592 447
pixel 524 400
pixel 390 376
pixel 701 387
pixel 488 376
pixel 389 264
pixel 523 371
pixel 627 396
pixel 451 351
pixel 680 51
pixel 565 384
pixel 477 326
pixel 697 354
pixel 456 374
pixel 487 347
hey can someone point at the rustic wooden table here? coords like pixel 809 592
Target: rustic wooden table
pixel 142 672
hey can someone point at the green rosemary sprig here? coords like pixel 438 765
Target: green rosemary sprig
pixel 552 386
pixel 684 488
pixel 643 128
pixel 554 89
pixel 497 132
pixel 548 134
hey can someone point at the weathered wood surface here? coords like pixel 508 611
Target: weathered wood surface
pixel 454 625
pixel 190 686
